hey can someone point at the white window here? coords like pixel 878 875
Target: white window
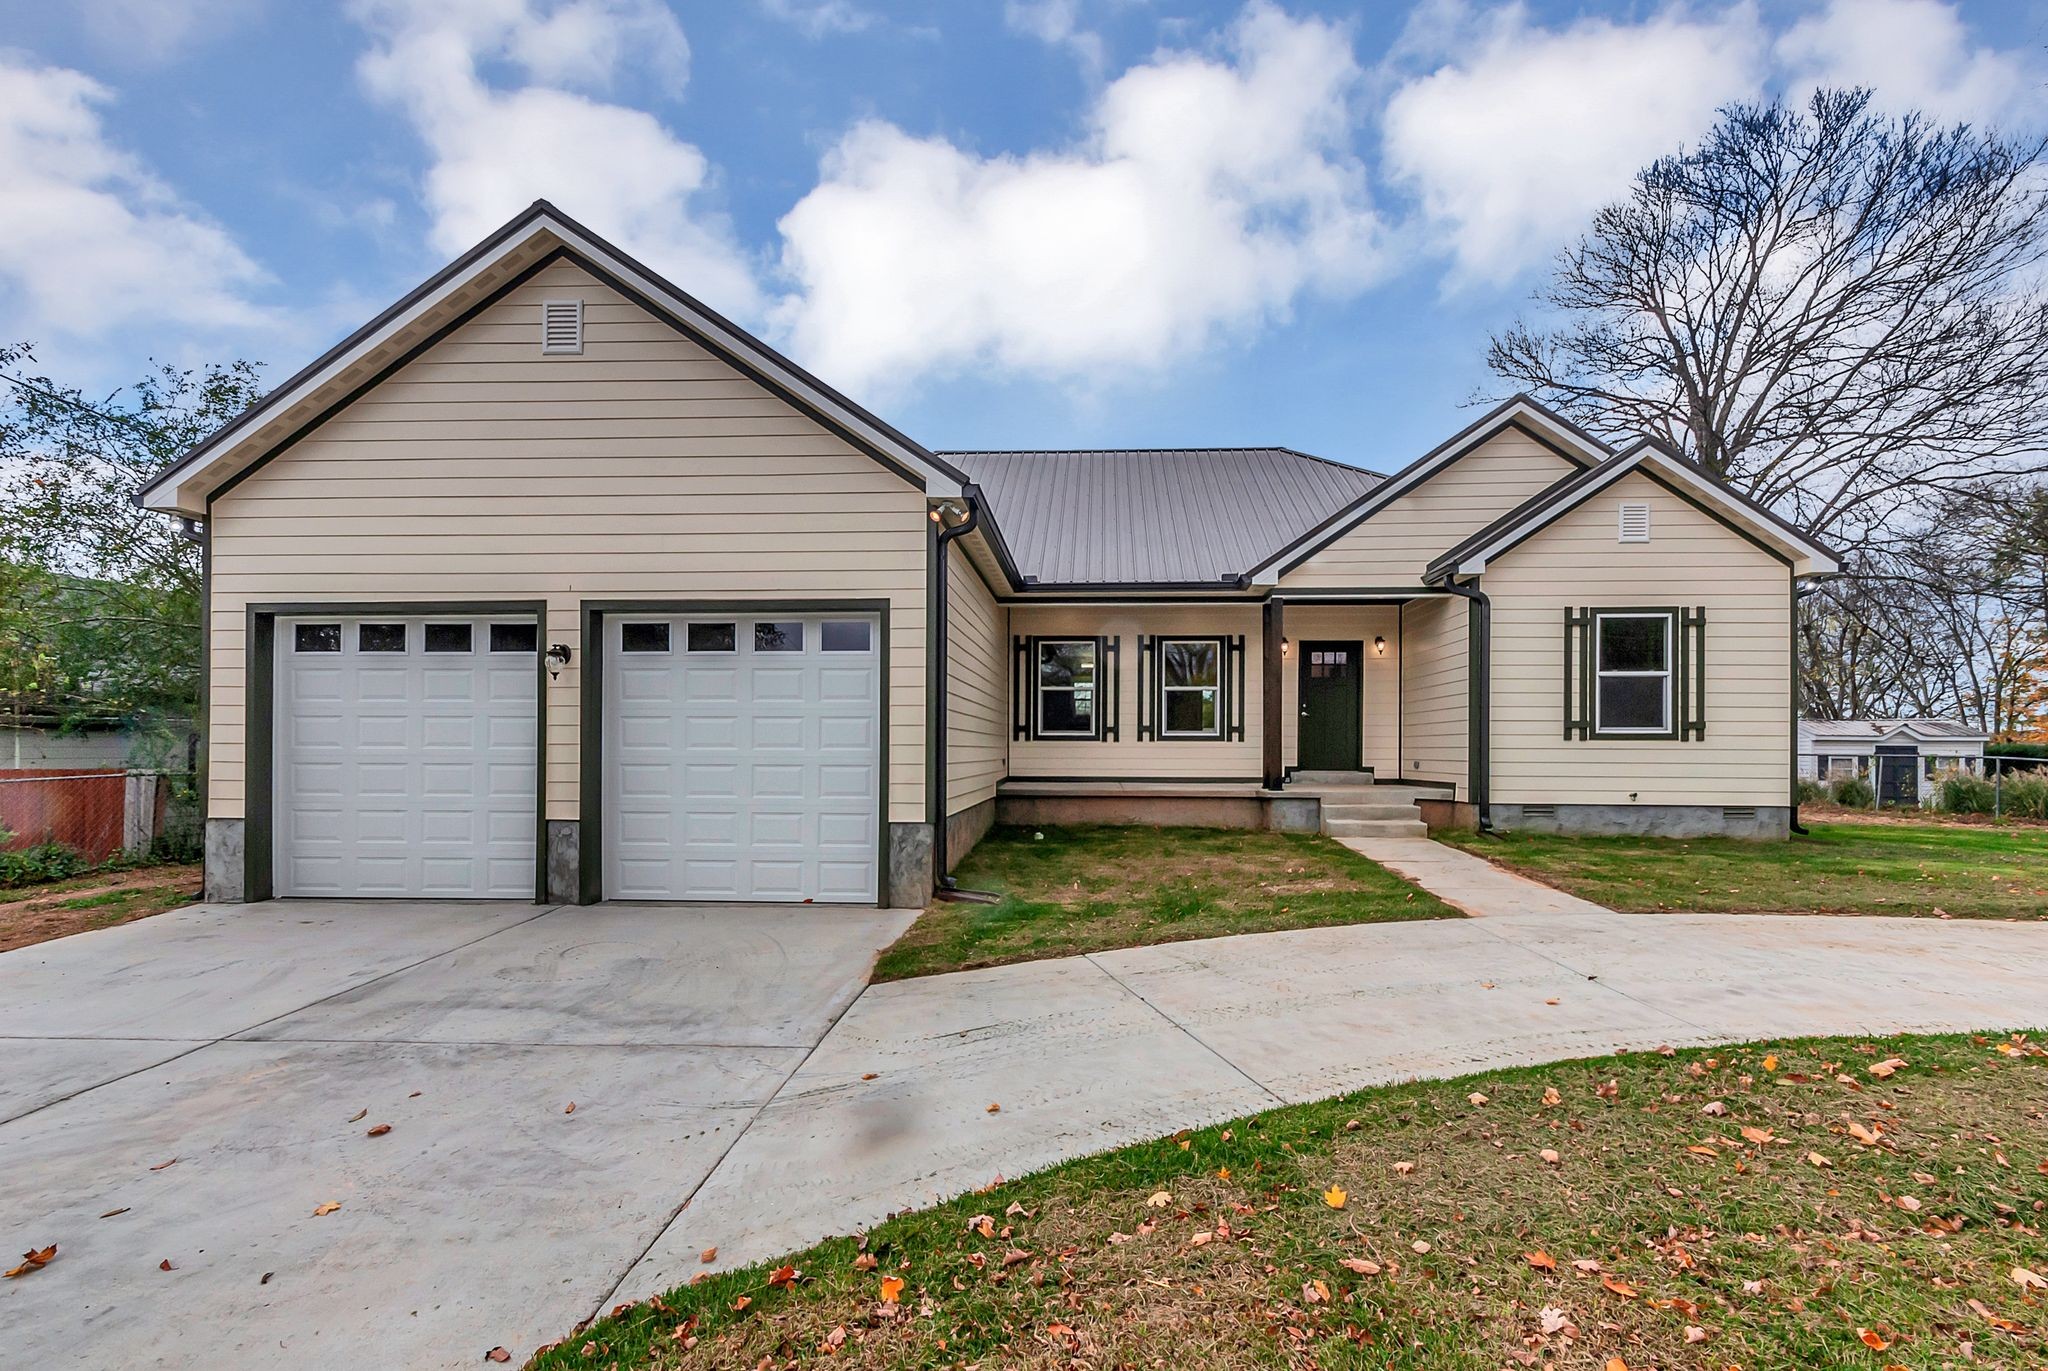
pixel 1841 766
pixel 1190 688
pixel 1633 660
pixel 1635 523
pixel 561 326
pixel 1066 679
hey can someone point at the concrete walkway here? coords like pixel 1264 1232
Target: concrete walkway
pixel 1088 1053
pixel 1466 882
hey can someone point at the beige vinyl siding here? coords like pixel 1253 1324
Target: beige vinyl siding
pixel 1436 666
pixel 1380 689
pixel 1690 560
pixel 1392 546
pixel 977 686
pixel 1128 757
pixel 644 468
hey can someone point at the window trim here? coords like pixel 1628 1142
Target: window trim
pixel 1038 689
pixel 1673 665
pixel 1160 688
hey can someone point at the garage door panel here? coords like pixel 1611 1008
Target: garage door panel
pixel 404 773
pixel 762 748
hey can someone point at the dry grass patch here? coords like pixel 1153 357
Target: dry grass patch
pixel 1072 890
pixel 101 899
pixel 1840 1203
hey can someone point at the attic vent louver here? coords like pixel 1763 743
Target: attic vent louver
pixel 561 326
pixel 1635 523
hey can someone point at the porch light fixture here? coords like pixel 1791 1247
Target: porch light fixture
pixel 1286 648
pixel 557 658
pixel 1379 647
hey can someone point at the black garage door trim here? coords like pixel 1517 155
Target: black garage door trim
pixel 259 802
pixel 590 801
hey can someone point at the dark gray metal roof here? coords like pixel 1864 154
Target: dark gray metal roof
pixel 1163 516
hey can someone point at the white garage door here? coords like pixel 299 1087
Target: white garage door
pixel 405 757
pixel 742 757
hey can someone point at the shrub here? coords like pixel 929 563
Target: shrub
pixel 43 862
pixel 1812 792
pixel 2026 796
pixel 1962 793
pixel 1852 792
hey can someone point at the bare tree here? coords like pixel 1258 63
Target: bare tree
pixel 1837 311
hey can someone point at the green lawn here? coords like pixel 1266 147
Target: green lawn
pixel 1790 1205
pixel 1977 871
pixel 1073 890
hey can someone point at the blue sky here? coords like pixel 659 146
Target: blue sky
pixel 1004 223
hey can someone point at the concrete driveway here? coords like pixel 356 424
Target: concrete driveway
pixel 202 1073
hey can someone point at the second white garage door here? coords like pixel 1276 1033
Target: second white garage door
pixel 742 757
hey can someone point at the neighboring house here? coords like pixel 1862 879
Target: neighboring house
pixel 550 583
pixel 1830 749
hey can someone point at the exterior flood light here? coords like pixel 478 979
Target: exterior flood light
pixel 557 658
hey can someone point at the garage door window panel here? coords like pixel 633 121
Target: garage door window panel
pixel 448 637
pixel 316 637
pixel 380 638
pixel 713 637
pixel 778 636
pixel 643 637
pixel 515 638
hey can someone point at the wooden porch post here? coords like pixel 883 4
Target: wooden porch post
pixel 1271 639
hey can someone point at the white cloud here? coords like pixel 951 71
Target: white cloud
pixel 820 18
pixel 1519 133
pixel 1915 54
pixel 1210 192
pixel 495 150
pixel 1058 22
pixel 92 240
pixel 158 31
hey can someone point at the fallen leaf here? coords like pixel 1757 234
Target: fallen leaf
pixel 1586 1264
pixel 1872 1339
pixel 1607 1090
pixel 1403 1168
pixel 1909 1203
pixel 1016 1256
pixel 1315 1292
pixel 327 1208
pixel 111 1212
pixel 497 1354
pixel 359 1116
pixel 994 1108
pixel 1159 1199
pixel 1551 1097
pixel 34 1260
pixel 1886 1067
pixel 868 1076
pixel 1553 1319
pixel 165 1265
pixel 892 1289
pixel 708 1255
pixel 571 1109
pixel 1714 1108
pixel 865 1262
pixel 1420 1247
pixel 379 1131
pixel 741 1303
pixel 1866 1136
pixel 1759 1136
pixel 1550 1156
pixel 1541 1260
pixel 1817 1159
pixel 1702 1150
pixel 161 1165
pixel 1694 1333
pixel 2002 1325
pixel 1360 1266
pixel 1475 1098
pixel 1616 1364
pixel 1621 1288
pixel 1335 1197
pixel 1550 1002
pixel 782 1276
pixel 265 1280
pixel 2023 1278
pixel 1770 1063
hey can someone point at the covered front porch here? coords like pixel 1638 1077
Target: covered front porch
pixel 1240 711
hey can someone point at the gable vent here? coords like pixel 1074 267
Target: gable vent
pixel 561 326
pixel 1635 523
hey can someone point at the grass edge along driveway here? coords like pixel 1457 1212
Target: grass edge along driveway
pixel 1966 871
pixel 1844 1202
pixel 1072 890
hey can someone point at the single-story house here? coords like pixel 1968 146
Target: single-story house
pixel 550 583
pixel 1830 749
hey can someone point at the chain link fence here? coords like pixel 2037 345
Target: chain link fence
pixel 56 823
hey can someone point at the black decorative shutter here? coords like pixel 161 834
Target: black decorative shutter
pixel 1109 652
pixel 1148 728
pixel 1578 673
pixel 1020 709
pixel 1692 664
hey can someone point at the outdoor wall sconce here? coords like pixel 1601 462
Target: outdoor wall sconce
pixel 1286 648
pixel 1379 647
pixel 557 658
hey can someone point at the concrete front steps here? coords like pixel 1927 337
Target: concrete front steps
pixel 1353 807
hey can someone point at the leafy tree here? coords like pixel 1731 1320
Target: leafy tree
pixel 101 597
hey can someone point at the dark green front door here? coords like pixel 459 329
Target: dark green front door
pixel 1330 706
